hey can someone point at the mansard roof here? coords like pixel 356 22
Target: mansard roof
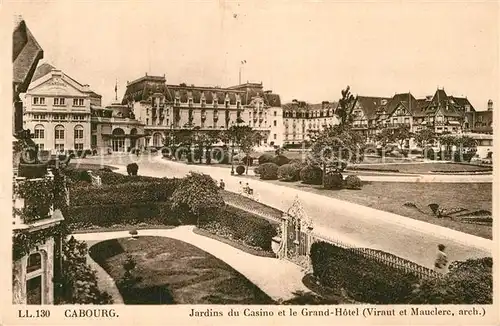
pixel 142 88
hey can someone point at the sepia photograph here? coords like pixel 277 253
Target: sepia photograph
pixel 329 155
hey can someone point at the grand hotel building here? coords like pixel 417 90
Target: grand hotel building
pixel 162 107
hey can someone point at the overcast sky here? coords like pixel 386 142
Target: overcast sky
pixel 301 50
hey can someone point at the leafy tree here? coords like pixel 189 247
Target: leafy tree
pixel 335 146
pixel 385 136
pixel 198 195
pixel 401 135
pixel 424 137
pixel 448 141
pixel 245 138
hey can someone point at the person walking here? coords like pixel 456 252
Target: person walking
pixel 441 262
pixel 222 185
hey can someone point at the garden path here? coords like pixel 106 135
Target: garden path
pixel 280 279
pixel 350 223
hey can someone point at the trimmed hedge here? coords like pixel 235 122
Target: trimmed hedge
pixel 240 169
pixel 289 172
pixel 333 180
pixel 265 158
pixel 364 279
pixel 81 217
pixel 243 226
pixel 311 175
pixel 128 193
pixel 353 182
pixel 280 160
pixel 268 171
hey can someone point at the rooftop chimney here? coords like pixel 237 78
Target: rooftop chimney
pixel 490 105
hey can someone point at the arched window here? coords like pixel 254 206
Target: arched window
pixel 59 138
pixel 34 262
pixel 78 137
pixel 157 139
pixel 39 132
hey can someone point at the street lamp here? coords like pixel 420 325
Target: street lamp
pixel 172 145
pixel 232 149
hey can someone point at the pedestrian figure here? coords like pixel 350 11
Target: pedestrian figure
pixel 222 185
pixel 241 188
pixel 441 263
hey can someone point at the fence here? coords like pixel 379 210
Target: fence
pixel 377 255
pixel 381 256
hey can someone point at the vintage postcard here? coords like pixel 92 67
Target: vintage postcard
pixel 250 162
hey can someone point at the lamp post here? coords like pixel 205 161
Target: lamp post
pixel 232 149
pixel 172 145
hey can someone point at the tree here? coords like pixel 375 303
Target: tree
pixel 245 138
pixel 401 135
pixel 197 195
pixel 424 137
pixel 448 141
pixel 335 146
pixel 385 136
pixel 346 104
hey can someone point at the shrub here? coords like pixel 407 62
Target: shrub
pixel 78 283
pixel 467 282
pixel 364 279
pixel 106 170
pixel 268 171
pixel 429 154
pixel 311 175
pixel 132 169
pixel 240 169
pixel 353 182
pixel 221 157
pixel 333 180
pixel 199 195
pixel 280 160
pixel 404 152
pixel 247 160
pixel 463 157
pixel 289 172
pixel 265 158
pixel 256 170
pixel 240 225
pixel 160 213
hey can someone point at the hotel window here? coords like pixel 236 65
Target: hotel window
pixel 78 102
pixel 480 118
pixel 275 113
pixel 39 117
pixel 40 147
pixel 39 100
pixel 275 123
pixel 167 112
pixel 39 132
pixel 59 147
pixel 407 120
pixel 59 132
pixel 59 101
pixel 274 136
pixel 78 132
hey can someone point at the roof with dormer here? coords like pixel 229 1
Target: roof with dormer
pixel 143 88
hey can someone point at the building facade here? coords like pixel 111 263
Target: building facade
pixel 115 129
pixel 163 108
pixel 57 110
pixel 300 119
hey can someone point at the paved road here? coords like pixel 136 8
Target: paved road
pixel 350 223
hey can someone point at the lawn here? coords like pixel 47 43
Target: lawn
pixel 175 272
pixel 391 197
pixel 422 168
